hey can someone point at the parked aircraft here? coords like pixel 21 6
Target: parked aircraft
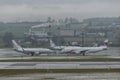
pixel 30 51
pixel 77 49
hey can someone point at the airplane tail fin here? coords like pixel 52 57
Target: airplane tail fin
pixel 16 46
pixel 105 43
pixel 52 44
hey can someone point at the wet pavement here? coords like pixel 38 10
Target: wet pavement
pixel 7 53
pixel 10 54
pixel 59 65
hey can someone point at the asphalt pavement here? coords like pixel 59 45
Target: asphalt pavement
pixel 59 65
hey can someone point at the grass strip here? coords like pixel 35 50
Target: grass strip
pixel 8 72
pixel 60 60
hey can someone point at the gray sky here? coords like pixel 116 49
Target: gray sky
pixel 33 10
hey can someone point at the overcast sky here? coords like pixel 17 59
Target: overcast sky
pixel 33 10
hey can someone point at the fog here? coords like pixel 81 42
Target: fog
pixel 35 10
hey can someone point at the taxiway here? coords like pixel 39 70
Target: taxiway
pixel 59 65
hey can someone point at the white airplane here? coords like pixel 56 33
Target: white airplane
pixel 77 49
pixel 30 51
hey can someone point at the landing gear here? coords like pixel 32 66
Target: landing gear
pixel 32 53
pixel 83 53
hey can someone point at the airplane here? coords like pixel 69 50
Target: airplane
pixel 78 49
pixel 30 51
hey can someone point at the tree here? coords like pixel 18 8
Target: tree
pixel 7 38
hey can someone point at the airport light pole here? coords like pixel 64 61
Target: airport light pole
pixel 59 42
pixel 82 38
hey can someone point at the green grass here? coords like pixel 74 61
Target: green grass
pixel 8 72
pixel 61 60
